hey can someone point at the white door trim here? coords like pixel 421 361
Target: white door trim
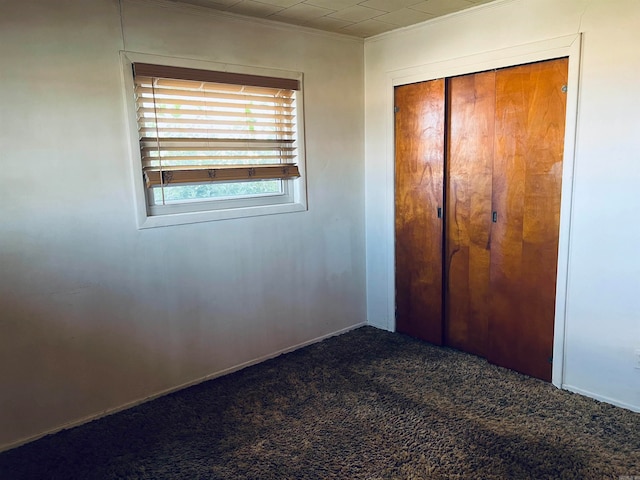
pixel 566 46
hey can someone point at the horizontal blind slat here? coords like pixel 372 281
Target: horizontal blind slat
pixel 149 152
pixel 217 160
pixel 214 159
pixel 166 132
pixel 178 175
pixel 215 87
pixel 144 94
pixel 180 106
pixel 209 121
pixel 224 109
pixel 146 116
pixel 217 142
pixel 275 98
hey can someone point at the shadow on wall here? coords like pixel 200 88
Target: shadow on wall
pixel 65 359
pixel 89 345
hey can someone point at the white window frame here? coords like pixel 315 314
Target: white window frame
pixel 293 198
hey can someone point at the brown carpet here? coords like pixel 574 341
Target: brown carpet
pixel 365 405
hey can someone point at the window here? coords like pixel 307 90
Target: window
pixel 215 144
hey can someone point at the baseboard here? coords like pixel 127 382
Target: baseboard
pixel 601 398
pixel 140 401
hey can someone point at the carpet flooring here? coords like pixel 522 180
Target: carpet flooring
pixel 364 405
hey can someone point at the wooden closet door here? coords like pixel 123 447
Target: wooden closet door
pixel 469 171
pixel 419 160
pixel 527 176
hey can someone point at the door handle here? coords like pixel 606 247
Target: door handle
pixel 494 217
pixel 439 212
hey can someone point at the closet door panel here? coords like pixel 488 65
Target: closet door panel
pixel 470 137
pixel 529 141
pixel 419 162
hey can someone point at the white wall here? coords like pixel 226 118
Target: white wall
pixel 95 314
pixel 602 317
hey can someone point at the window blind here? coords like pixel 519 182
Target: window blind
pixel 198 126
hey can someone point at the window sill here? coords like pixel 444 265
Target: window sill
pixel 213 215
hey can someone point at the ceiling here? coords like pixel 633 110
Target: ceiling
pixel 361 18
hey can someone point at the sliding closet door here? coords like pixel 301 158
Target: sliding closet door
pixel 527 176
pixel 470 134
pixel 419 131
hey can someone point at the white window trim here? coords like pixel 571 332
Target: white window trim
pixel 293 200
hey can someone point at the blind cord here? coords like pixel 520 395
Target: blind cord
pixel 155 115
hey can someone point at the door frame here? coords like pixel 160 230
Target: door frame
pixel 566 46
